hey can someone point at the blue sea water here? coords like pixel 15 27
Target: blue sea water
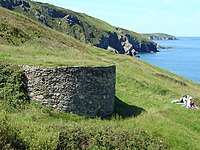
pixel 182 59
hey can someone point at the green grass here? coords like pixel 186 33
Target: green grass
pixel 48 56
pixel 144 117
pixel 40 45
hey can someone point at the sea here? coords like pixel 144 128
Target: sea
pixel 183 58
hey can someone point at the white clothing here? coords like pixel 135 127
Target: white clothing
pixel 188 103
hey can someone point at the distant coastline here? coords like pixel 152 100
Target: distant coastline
pixel 160 36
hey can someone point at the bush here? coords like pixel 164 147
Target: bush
pixel 108 139
pixel 9 136
pixel 11 87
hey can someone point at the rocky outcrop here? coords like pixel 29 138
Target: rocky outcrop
pixel 162 38
pixel 142 46
pixel 11 4
pixel 163 47
pixel 125 44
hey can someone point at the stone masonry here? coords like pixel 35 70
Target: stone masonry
pixel 88 91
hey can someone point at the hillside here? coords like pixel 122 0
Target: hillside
pixel 144 117
pixel 34 44
pixel 159 36
pixel 82 27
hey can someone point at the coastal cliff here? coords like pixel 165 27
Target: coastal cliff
pixel 87 29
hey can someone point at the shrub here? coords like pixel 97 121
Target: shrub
pixel 11 87
pixel 9 136
pixel 108 139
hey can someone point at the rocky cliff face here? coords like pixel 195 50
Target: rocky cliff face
pixel 125 44
pixel 82 27
pixel 12 4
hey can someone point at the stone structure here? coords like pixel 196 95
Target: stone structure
pixel 86 91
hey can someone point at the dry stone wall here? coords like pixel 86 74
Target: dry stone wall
pixel 86 91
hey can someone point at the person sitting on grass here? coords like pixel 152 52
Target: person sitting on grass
pixel 191 104
pixel 187 101
pixel 182 100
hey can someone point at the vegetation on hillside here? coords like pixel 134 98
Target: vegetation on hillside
pixel 34 44
pixel 82 27
pixel 144 118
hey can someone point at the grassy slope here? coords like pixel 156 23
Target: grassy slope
pixel 97 26
pixel 139 86
pixel 34 44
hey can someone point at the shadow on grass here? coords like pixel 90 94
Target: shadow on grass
pixel 125 110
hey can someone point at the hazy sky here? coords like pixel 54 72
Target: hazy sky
pixel 176 17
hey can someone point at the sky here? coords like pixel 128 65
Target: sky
pixel 175 17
